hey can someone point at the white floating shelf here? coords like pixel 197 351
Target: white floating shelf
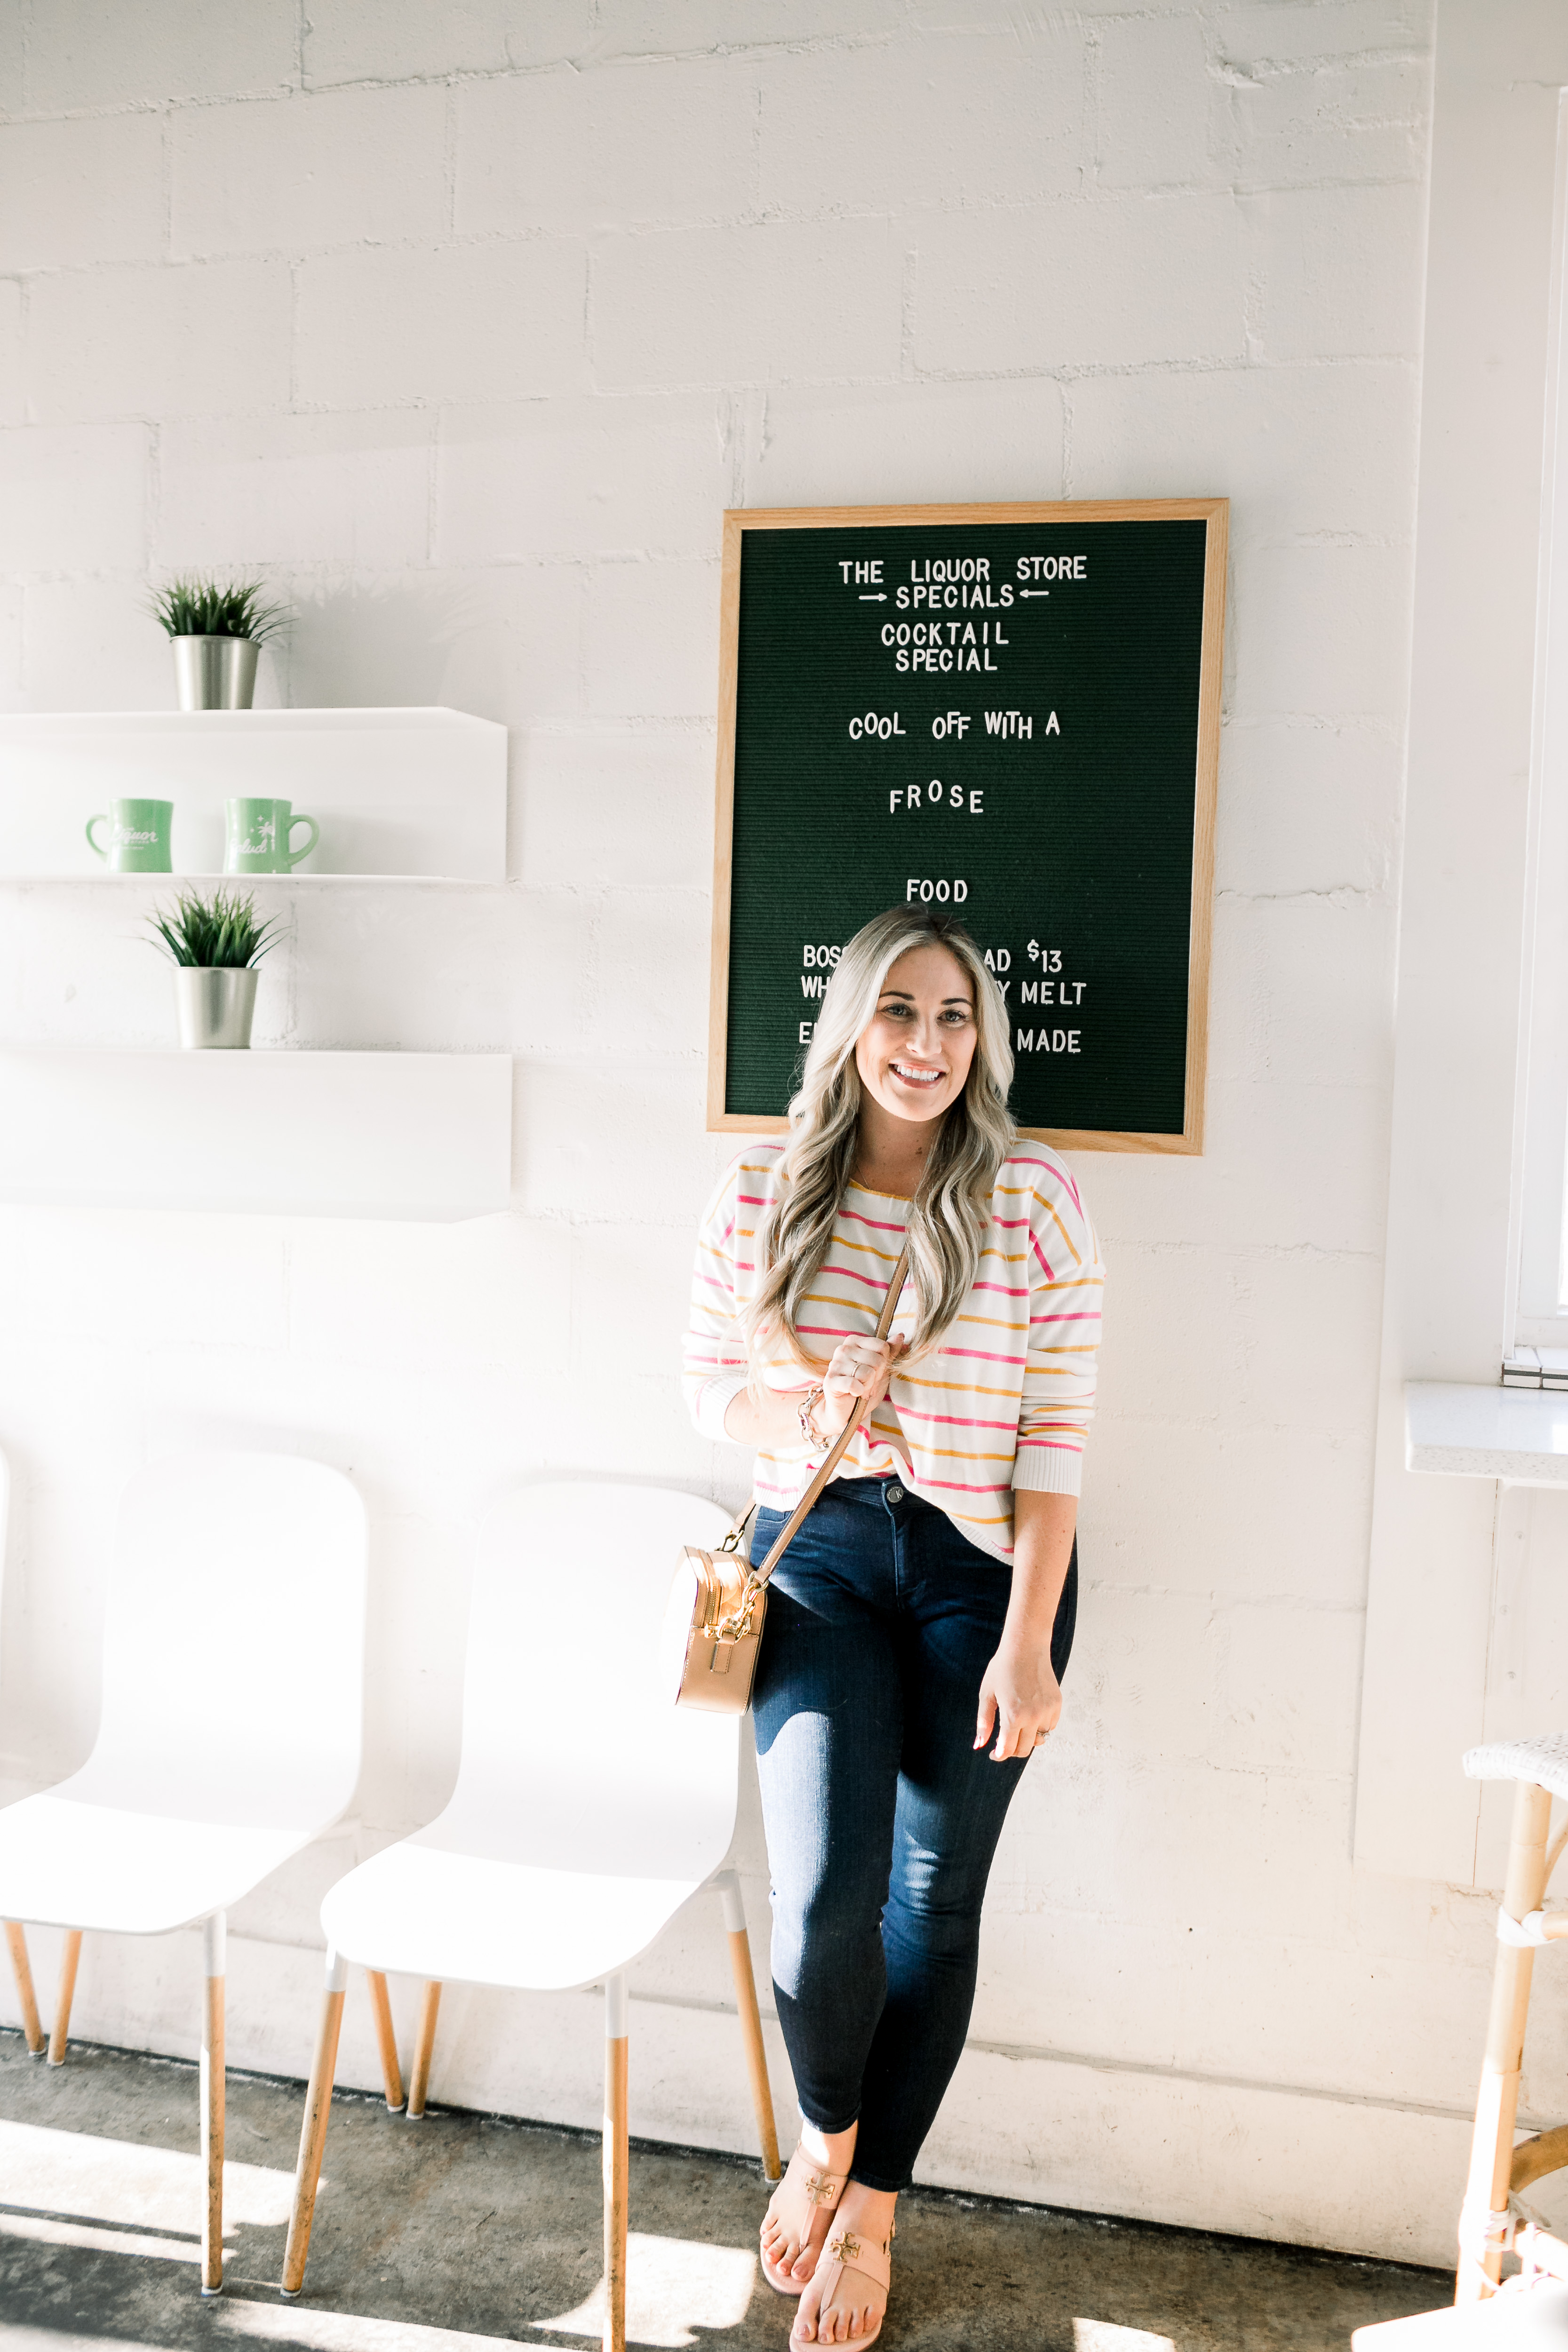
pixel 421 1136
pixel 1459 1431
pixel 398 794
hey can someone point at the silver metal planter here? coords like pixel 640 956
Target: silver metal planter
pixel 214 673
pixel 217 1003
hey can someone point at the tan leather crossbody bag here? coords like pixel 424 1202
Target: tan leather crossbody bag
pixel 713 1624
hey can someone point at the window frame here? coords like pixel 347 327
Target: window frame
pixel 1537 1318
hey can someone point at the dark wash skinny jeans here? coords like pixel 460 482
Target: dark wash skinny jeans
pixel 881 1818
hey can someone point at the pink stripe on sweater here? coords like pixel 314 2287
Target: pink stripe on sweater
pixel 962 1486
pixel 948 1419
pixel 878 1224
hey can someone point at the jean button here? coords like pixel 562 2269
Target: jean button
pixel 895 1494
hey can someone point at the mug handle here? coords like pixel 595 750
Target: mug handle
pixel 292 855
pixel 96 847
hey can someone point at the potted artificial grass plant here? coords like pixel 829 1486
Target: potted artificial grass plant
pixel 217 630
pixel 216 944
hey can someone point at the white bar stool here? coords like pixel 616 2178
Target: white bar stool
pixel 1499 2170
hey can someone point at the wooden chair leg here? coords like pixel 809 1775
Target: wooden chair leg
pixel 313 2131
pixel 386 2037
pixel 729 1888
pixel 424 2048
pixel 1497 2104
pixel 66 1995
pixel 616 2163
pixel 21 1969
pixel 213 2086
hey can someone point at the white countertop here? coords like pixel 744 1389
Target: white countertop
pixel 1519 1435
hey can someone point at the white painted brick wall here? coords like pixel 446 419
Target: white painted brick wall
pixel 466 322
pixel 291 175
pixel 74 194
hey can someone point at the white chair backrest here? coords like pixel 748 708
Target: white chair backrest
pixel 5 1526
pixel 574 1759
pixel 234 1643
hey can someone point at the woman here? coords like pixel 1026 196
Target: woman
pixel 918 1625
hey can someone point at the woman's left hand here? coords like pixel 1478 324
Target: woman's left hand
pixel 1021 1697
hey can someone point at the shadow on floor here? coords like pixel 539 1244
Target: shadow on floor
pixel 460 2230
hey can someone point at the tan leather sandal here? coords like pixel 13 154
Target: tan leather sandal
pixel 865 2263
pixel 807 2189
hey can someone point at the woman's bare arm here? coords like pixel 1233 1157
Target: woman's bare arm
pixel 857 1368
pixel 774 1421
pixel 1019 1695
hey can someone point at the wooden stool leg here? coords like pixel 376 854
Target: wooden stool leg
pixel 313 2131
pixel 211 2086
pixel 16 1938
pixel 386 2038
pixel 1497 2104
pixel 729 1888
pixel 616 2164
pixel 424 2047
pixel 70 1955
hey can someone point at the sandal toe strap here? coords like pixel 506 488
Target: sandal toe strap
pixel 864 2257
pixel 802 2190
pixel 817 2187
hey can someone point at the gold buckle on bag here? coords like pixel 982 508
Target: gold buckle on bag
pixel 736 1628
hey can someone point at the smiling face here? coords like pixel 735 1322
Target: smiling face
pixel 915 1055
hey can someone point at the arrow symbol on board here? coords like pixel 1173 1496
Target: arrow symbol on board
pixel 1033 591
pixel 874 600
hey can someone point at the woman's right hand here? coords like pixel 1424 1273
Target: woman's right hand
pixel 857 1368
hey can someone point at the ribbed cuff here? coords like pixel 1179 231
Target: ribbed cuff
pixel 714 1404
pixel 1048 1470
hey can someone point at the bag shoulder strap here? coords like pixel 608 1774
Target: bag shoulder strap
pixel 791 1528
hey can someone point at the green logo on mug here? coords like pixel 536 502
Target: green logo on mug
pixel 257 834
pixel 139 833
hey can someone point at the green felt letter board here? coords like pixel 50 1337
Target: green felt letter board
pixel 1008 712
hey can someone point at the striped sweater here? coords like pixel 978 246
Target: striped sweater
pixel 1002 1404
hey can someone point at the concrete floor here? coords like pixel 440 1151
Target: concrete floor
pixel 445 2235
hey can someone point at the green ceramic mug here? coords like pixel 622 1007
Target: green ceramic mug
pixel 258 836
pixel 139 833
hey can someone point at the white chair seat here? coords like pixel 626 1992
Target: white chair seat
pixel 1520 2322
pixel 561 1856
pixel 422 1912
pixel 1543 1760
pixel 90 1866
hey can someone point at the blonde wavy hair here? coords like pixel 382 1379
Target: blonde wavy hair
pixel 950 1216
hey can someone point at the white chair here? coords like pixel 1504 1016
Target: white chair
pixel 16 1936
pixel 588 1809
pixel 229 1737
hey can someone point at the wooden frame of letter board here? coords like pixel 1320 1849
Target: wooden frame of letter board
pixel 1215 513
